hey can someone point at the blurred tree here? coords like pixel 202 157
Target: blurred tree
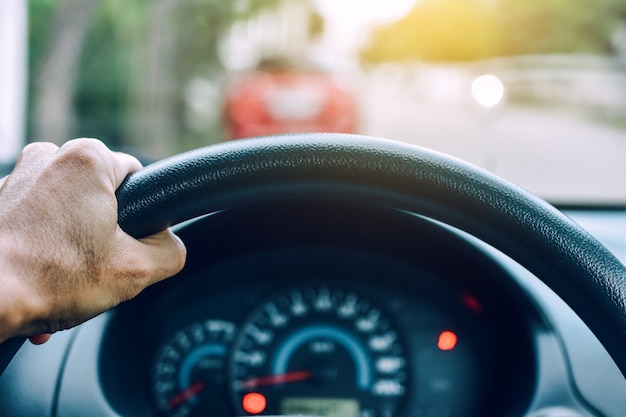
pixel 54 81
pixel 117 69
pixel 466 30
pixel 101 98
pixel 556 26
pixel 200 26
pixel 179 41
pixel 73 93
pixel 436 30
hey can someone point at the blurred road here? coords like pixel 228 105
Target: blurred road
pixel 562 155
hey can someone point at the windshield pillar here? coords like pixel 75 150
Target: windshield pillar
pixel 13 71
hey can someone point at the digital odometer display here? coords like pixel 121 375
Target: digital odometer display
pixel 319 348
pixel 328 407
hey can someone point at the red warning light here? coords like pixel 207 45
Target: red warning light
pixel 447 340
pixel 471 303
pixel 254 403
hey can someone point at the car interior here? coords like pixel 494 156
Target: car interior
pixel 354 272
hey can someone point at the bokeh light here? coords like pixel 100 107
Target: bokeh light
pixel 488 90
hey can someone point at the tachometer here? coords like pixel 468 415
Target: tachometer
pixel 189 374
pixel 319 351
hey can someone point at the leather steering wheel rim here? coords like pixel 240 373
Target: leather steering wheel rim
pixel 571 262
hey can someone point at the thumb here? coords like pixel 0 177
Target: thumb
pixel 167 253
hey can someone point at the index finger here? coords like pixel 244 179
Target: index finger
pixel 116 165
pixel 124 165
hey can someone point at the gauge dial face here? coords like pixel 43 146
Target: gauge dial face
pixel 189 374
pixel 319 351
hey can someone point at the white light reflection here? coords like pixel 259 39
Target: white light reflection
pixel 488 90
pixel 363 12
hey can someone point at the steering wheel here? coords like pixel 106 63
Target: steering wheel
pixel 571 262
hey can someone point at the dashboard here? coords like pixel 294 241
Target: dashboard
pixel 335 308
pixel 323 325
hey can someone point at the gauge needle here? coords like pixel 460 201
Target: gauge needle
pixel 276 379
pixel 183 396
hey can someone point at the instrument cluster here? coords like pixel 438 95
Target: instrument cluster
pixel 301 321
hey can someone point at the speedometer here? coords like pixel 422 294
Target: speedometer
pixel 190 369
pixel 319 351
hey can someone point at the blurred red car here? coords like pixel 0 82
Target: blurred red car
pixel 274 101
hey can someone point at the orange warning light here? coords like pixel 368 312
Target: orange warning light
pixel 254 403
pixel 447 340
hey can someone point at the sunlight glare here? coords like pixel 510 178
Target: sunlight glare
pixel 488 90
pixel 363 12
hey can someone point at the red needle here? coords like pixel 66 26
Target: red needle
pixel 276 379
pixel 192 390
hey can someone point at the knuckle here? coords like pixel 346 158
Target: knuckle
pixel 39 148
pixel 34 157
pixel 84 153
pixel 83 142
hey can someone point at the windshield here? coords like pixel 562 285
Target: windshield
pixel 533 90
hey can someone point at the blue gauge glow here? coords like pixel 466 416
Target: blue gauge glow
pixel 351 343
pixel 190 369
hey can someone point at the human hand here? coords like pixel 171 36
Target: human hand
pixel 63 256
